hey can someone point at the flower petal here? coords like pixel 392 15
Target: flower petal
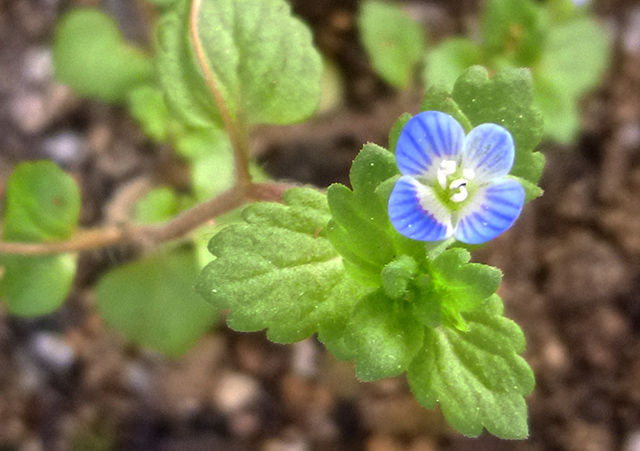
pixel 489 151
pixel 416 213
pixel 493 209
pixel 426 140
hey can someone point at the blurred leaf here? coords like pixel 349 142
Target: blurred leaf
pixel 576 55
pixel 153 302
pixel 514 29
pixel 449 59
pixel 160 204
pixel 394 42
pixel 147 106
pixel 263 59
pixel 33 286
pixel 90 55
pixel 42 204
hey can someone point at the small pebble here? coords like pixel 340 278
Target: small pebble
pixel 235 392
pixel 53 351
pixel 65 147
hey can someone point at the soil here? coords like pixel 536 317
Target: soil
pixel 571 271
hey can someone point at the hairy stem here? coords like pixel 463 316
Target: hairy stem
pixel 237 136
pixel 152 235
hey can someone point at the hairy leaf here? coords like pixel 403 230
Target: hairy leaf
pixel 505 99
pixel 261 57
pixel 279 271
pixel 476 375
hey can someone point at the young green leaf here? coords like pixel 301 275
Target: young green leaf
pixel 280 272
pixel 90 55
pixel 42 204
pixel 394 42
pixel 477 375
pixel 262 58
pixel 153 302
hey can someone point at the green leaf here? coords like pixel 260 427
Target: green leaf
pixel 467 284
pixel 159 204
pixel 280 272
pixel 505 99
pixel 396 130
pixel 153 302
pixel 147 106
pixel 90 55
pixel 439 98
pixel 575 58
pixel 449 59
pixel 477 375
pixel 262 58
pixel 383 335
pixel 515 30
pixel 397 276
pixel 32 286
pixel 394 42
pixel 43 204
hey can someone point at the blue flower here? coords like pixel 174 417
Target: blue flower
pixel 452 184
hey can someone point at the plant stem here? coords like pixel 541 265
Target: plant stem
pixel 237 136
pixel 151 235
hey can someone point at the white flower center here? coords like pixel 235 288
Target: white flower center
pixel 456 188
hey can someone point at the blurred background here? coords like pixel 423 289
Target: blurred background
pixel 571 265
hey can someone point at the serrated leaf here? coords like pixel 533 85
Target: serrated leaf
pixel 152 302
pixel 394 42
pixel 43 204
pixel 360 228
pixel 261 56
pixel 383 335
pixel 32 286
pixel 448 60
pixel 90 55
pixel 279 271
pixel 505 99
pixel 477 376
pixel 467 284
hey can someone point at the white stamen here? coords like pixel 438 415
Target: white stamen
pixel 460 185
pixel 468 173
pixel 447 167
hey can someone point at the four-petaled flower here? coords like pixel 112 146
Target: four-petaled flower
pixel 452 184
